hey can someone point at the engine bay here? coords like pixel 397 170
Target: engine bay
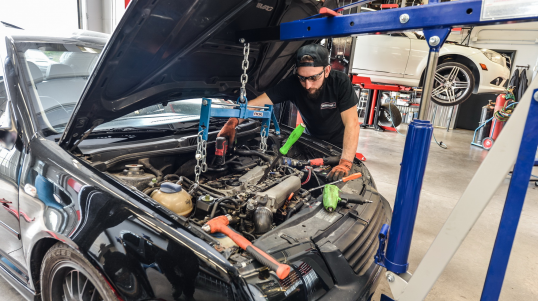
pixel 234 184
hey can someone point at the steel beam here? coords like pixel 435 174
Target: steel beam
pixel 439 15
pixel 513 206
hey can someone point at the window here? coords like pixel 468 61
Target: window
pixel 57 74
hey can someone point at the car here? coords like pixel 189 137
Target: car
pixel 400 58
pixel 98 160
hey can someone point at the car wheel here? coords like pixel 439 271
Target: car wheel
pixel 67 275
pixel 387 111
pixel 453 84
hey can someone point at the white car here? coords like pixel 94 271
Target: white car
pixel 400 58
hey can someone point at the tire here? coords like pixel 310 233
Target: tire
pixel 385 115
pixel 62 267
pixel 453 84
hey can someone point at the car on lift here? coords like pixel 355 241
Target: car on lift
pixel 98 159
pixel 400 58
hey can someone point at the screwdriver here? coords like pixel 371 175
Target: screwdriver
pixel 344 179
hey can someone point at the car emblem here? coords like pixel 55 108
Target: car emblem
pixel 265 7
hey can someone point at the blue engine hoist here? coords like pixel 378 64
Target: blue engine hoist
pixel 436 20
pixel 239 110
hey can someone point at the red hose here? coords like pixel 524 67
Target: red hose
pixel 309 174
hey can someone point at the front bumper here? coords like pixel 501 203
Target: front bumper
pixel 486 77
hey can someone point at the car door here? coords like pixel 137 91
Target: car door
pixel 9 178
pixel 381 54
pixel 418 55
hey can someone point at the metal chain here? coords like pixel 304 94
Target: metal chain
pixel 243 96
pixel 263 141
pixel 201 165
pixel 244 76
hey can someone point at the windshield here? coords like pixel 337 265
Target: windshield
pixel 57 75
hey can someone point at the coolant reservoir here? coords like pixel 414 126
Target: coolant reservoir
pixel 173 197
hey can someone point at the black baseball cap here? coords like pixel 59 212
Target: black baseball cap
pixel 319 53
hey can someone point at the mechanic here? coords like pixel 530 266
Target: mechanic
pixel 324 97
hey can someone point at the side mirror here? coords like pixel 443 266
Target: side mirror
pixel 8 131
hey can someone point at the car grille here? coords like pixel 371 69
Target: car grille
pixel 359 242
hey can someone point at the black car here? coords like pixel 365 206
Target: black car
pixel 95 146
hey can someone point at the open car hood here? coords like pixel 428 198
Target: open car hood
pixel 170 50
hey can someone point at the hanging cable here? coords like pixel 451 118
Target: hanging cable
pixel 504 113
pixel 441 144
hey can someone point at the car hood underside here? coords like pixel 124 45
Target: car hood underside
pixel 171 50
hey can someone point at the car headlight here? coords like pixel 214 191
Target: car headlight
pixel 494 56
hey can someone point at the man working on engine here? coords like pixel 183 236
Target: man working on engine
pixel 326 100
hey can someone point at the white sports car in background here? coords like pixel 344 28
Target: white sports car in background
pixel 400 58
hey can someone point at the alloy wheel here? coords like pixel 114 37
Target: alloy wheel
pixel 71 284
pixel 451 85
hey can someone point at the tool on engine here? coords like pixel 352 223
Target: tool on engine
pixel 344 179
pixel 294 136
pixel 221 145
pixel 334 160
pixel 220 224
pixel 332 197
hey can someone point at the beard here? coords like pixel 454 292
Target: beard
pixel 314 93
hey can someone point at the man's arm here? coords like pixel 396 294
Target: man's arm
pixel 259 101
pixel 350 118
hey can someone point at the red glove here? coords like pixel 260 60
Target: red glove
pixel 228 131
pixel 340 171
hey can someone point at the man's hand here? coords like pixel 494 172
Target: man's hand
pixel 340 171
pixel 351 133
pixel 228 131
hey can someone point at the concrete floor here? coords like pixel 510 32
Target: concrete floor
pixel 447 174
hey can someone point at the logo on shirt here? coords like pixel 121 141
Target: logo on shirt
pixel 328 105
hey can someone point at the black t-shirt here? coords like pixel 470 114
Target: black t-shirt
pixel 322 115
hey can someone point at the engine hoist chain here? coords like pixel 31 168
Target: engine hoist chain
pixel 201 165
pixel 243 96
pixel 263 141
pixel 244 76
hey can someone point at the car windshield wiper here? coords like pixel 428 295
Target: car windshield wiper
pixel 130 130
pixel 194 125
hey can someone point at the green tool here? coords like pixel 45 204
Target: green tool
pixel 332 197
pixel 294 136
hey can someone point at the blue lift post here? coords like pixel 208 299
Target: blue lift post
pixel 436 20
pixel 415 157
